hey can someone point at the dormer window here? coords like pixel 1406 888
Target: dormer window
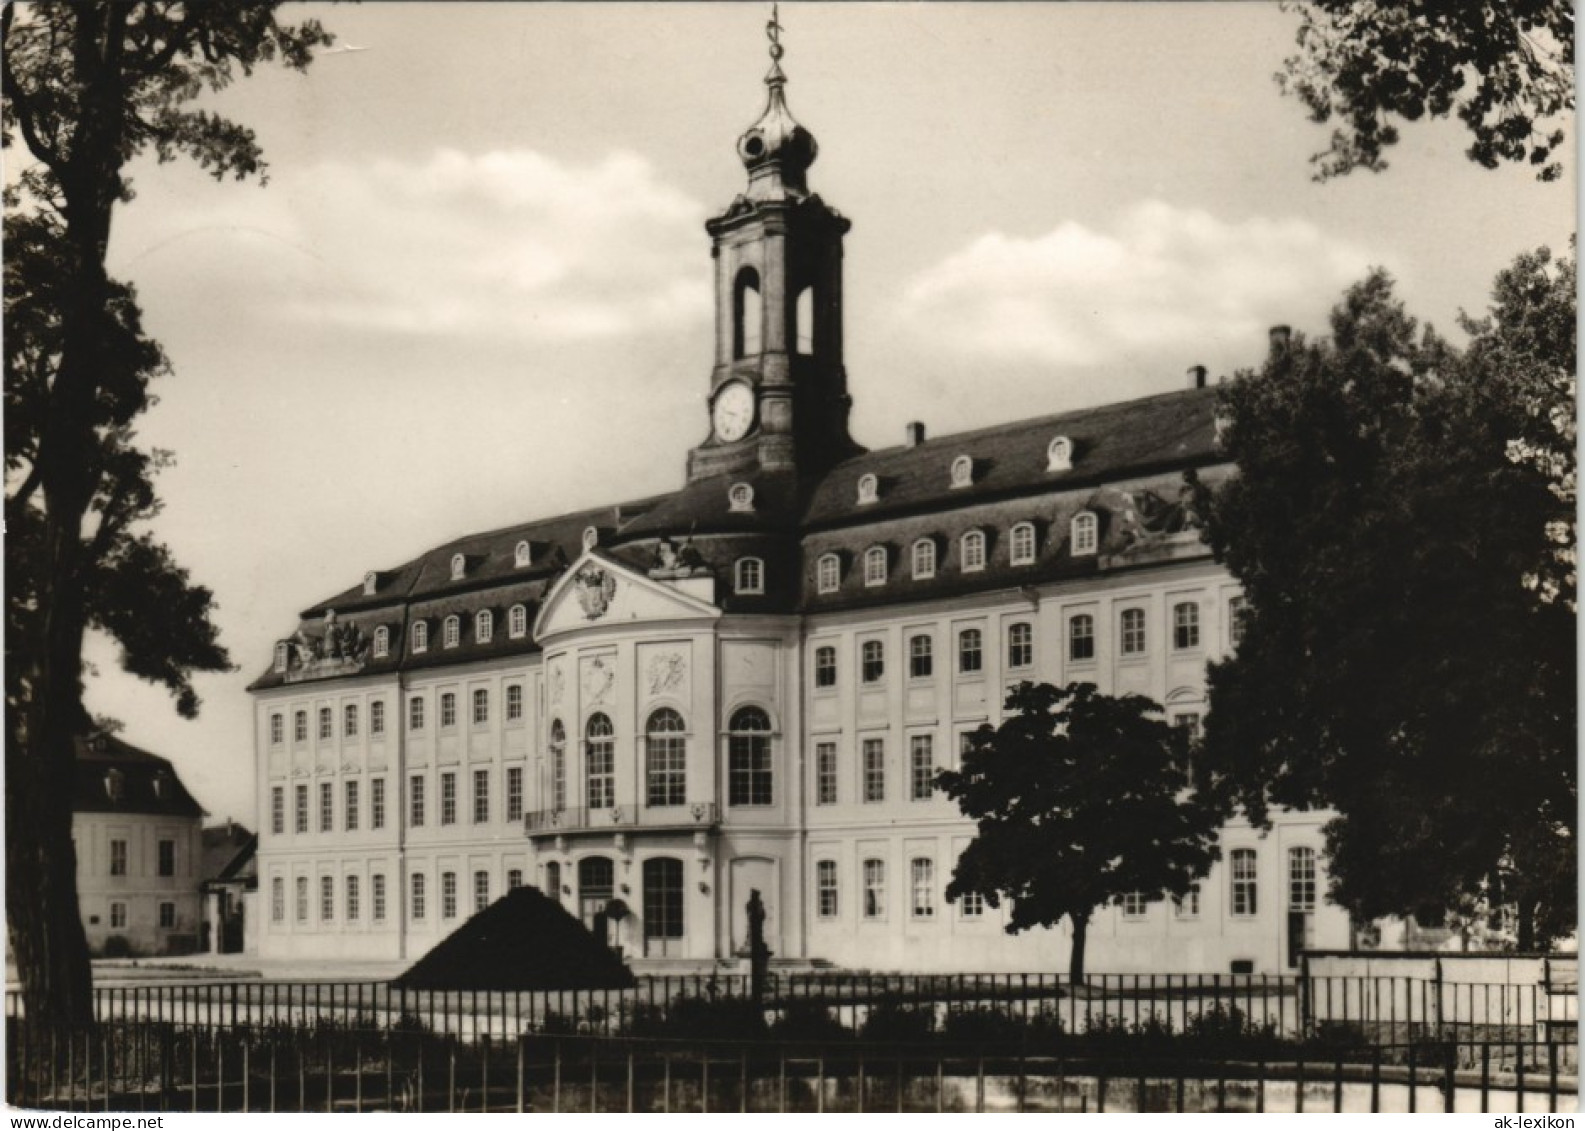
pixel 483 626
pixel 875 565
pixel 382 642
pixel 869 489
pixel 740 497
pixel 115 785
pixel 517 622
pixel 749 575
pixel 452 632
pixel 963 472
pixel 420 636
pixel 1082 538
pixel 1059 456
pixel 162 785
pixel 1023 544
pixel 828 573
pixel 459 567
pixel 371 582
pixel 973 549
pixel 281 654
pixel 523 555
pixel 924 555
pixel 591 538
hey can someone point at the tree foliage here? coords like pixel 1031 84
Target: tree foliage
pixel 1079 798
pixel 1504 67
pixel 1398 663
pixel 87 88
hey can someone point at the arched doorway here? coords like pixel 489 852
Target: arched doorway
pixel 596 886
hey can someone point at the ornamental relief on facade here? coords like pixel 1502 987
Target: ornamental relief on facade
pixel 597 678
pixel 665 672
pixel 558 683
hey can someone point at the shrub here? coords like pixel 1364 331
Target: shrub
pixel 809 1020
pixel 894 1021
pixel 984 1025
pixel 117 946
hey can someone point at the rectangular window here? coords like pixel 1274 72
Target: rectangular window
pixel 481 706
pixel 377 803
pixel 300 726
pixel 354 908
pixel 663 898
pixel 971 905
pixel 481 796
pixel 377 894
pixel 970 657
pixel 873 661
pixel 481 891
pixel 826 773
pixel 301 814
pixel 415 801
pixel 448 710
pixel 167 849
pixel 921 766
pixel 514 879
pixel 377 717
pixel 277 730
pixel 327 899
pixel 827 574
pixel 1133 632
pixel 921 657
pixel 1187 906
pixel 1301 879
pixel 352 807
pixel 825 667
pixel 302 899
pixel 167 916
pixel 874 769
pixel 1189 721
pixel 874 889
pixel 327 726
pixel 349 726
pixel 278 900
pixel 1186 626
pixel 1133 904
pixel 448 799
pixel 1237 615
pixel 826 895
pixel 1081 638
pixel 514 702
pixel 118 916
pixel 327 807
pixel 118 857
pixel 1244 892
pixel 666 750
pixel 923 873
pixel 1020 645
pixel 514 793
pixel 448 895
pixel 415 713
pixel 278 809
pixel 419 909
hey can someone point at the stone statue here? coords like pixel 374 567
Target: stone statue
pixel 758 952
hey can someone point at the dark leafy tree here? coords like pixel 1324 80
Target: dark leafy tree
pixel 1399 663
pixel 1504 67
pixel 1079 799
pixel 87 87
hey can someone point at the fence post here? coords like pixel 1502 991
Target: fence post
pixel 520 1040
pixel 1449 1067
pixel 1305 1015
pixel 1436 973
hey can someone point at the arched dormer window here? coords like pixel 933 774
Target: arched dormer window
pixel 924 555
pixel 459 567
pixel 282 652
pixel 1022 549
pixel 517 622
pixel 451 632
pixel 591 537
pixel 963 471
pixel 1082 534
pixel 749 576
pixel 115 784
pixel 371 582
pixel 420 636
pixel 875 565
pixel 748 314
pixel 382 642
pixel 828 573
pixel 973 551
pixel 869 489
pixel 483 626
pixel 1059 455
pixel 804 321
pixel 740 497
pixel 523 555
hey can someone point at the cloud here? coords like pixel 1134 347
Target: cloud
pixel 1160 280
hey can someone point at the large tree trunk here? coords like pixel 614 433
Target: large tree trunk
pixel 1081 930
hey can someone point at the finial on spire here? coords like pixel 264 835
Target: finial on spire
pixel 773 31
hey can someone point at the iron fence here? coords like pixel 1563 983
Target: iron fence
pixel 149 1066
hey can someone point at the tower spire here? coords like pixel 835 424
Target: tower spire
pixel 775 77
pixel 776 149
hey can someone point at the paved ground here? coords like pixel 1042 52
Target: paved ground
pixel 194 967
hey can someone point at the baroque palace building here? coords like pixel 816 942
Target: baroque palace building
pixel 652 709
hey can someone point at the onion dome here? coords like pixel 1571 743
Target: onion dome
pixel 776 150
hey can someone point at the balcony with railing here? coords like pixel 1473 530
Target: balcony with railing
pixel 696 815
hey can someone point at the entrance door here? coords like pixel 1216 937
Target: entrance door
pixel 596 886
pixel 747 875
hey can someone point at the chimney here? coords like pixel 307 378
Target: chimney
pixel 915 434
pixel 1196 376
pixel 1279 338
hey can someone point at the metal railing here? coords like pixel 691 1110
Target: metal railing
pixel 614 818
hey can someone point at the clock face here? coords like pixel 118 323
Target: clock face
pixel 734 411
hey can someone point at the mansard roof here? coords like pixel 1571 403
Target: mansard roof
pixel 112 776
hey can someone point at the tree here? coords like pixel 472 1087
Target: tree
pixel 1505 67
pixel 87 88
pixel 1396 664
pixel 1080 798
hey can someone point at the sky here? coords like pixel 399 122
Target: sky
pixel 476 288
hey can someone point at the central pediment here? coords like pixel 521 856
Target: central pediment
pixel 596 591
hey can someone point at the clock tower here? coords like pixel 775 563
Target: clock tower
pixel 778 389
